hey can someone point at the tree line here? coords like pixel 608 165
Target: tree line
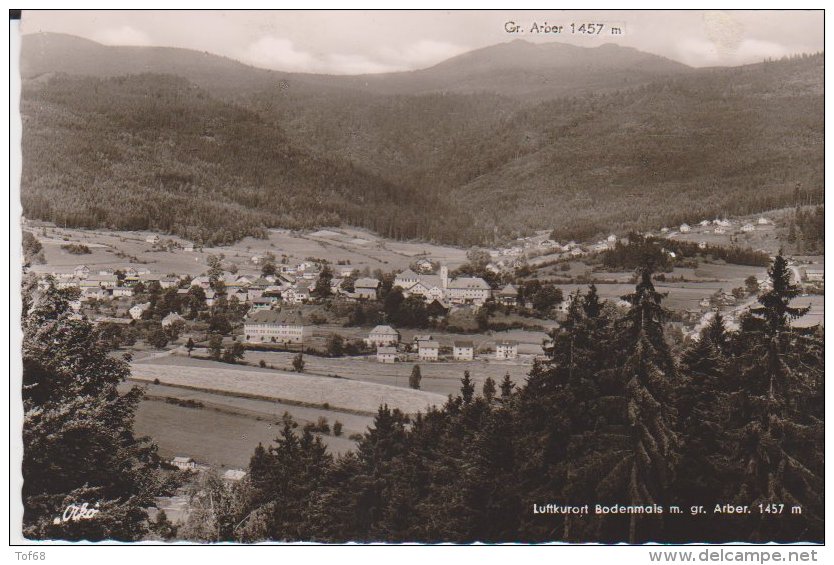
pixel 613 416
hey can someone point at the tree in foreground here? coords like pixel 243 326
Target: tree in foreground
pixel 79 446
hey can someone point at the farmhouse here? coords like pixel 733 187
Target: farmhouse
pixel 748 228
pixel 424 266
pixel 387 355
pixel 463 351
pixel 137 310
pixel 366 288
pixel 382 336
pixel 184 463
pixel 270 326
pixel 508 295
pixel 297 294
pixel 81 271
pixel 506 349
pixel 428 350
pixel 763 221
pixel 685 228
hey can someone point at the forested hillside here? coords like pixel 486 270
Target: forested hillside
pixel 630 141
pixel 155 152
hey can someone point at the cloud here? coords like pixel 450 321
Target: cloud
pixel 279 54
pixel 124 35
pixel 702 52
pixel 282 54
pixel 423 53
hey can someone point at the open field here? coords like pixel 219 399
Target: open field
pixel 226 431
pixel 306 390
pixel 122 249
pixel 439 377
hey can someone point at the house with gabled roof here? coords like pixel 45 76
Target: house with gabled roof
pixel 463 350
pixel 366 288
pixel 506 349
pixel 428 350
pixel 387 354
pixel 383 335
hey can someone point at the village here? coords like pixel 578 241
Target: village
pixel 326 325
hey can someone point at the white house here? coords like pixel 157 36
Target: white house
pixel 296 294
pixel 184 463
pixel 463 351
pixel 387 354
pixel 382 336
pixel 270 326
pixel 685 228
pixel 428 350
pixel 171 318
pixel 137 310
pixel 763 221
pixel 122 291
pixel 424 266
pixel 168 282
pixel 152 238
pixel 719 230
pixel 506 349
pixel 748 228
pixel 81 271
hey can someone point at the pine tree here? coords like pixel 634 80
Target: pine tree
pixel 649 455
pixel 489 389
pixel 507 386
pixel 778 441
pixel 467 388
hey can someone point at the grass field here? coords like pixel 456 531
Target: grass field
pixel 441 378
pixel 337 394
pixel 226 431
pixel 359 247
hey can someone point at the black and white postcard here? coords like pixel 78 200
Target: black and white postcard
pixel 466 277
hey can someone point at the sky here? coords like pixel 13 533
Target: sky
pixel 358 42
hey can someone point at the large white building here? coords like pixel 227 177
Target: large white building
pixel 271 326
pixel 461 290
pixel 428 350
pixel 506 349
pixel 382 336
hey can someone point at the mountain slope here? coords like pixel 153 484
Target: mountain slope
pixel 520 69
pixel 156 152
pixel 446 161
